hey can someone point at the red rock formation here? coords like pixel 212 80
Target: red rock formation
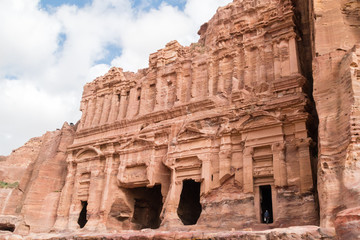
pixel 34 202
pixel 209 136
pixel 307 233
pixel 336 76
pixel 347 224
pixel 221 123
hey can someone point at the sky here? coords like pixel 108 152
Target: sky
pixel 49 49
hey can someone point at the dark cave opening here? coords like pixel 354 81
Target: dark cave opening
pixel 266 203
pixel 147 207
pixel 189 209
pixel 7 227
pixel 82 216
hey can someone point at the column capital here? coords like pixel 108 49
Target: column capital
pixel 277 147
pixel 303 142
pixel 248 151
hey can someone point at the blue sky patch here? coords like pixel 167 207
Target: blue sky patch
pixel 111 52
pixel 61 39
pixel 149 4
pixel 48 4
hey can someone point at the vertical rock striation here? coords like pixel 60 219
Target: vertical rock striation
pixel 336 93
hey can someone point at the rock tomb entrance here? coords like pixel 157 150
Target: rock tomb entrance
pixel 189 209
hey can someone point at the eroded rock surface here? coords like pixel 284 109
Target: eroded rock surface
pixel 216 130
pixel 293 233
pixel 208 137
pixel 336 93
pixel 41 175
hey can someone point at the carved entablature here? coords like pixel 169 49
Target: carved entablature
pixel 135 159
pixel 260 121
pixel 188 168
pixel 133 176
pixel 136 144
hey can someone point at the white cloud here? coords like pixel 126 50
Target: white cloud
pixel 50 77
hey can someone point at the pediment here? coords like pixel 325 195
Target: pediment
pixel 88 152
pixel 260 121
pixel 190 133
pixel 138 143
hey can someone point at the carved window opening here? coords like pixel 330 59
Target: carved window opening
pixel 152 96
pixel 82 216
pixel 118 97
pixel 266 203
pixel 189 209
pixel 147 207
pixel 7 227
pixel 138 94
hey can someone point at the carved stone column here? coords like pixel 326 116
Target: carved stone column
pixel 248 170
pixel 75 203
pixel 123 103
pixel 83 109
pixel 169 213
pixel 221 80
pixel 294 63
pixel 277 62
pixel 211 78
pixel 107 180
pixel 237 162
pixel 284 57
pixel 225 158
pixel 306 181
pixel 66 196
pixel 279 164
pixel 98 110
pixel 262 64
pixel 106 109
pixel 160 93
pixel 248 68
pixel 206 173
pixel 114 109
pixel 90 113
pixel 95 195
pixel 180 97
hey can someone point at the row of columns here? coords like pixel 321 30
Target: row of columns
pixel 280 167
pixel 194 80
pixel 69 207
pixel 102 171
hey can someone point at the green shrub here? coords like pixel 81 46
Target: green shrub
pixel 8 185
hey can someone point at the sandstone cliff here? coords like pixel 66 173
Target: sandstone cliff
pixel 336 93
pixel 260 114
pixel 40 170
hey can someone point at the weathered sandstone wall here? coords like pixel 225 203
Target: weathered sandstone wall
pixel 209 136
pixel 216 130
pixel 41 175
pixel 336 79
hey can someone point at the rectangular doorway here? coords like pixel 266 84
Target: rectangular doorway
pixel 266 203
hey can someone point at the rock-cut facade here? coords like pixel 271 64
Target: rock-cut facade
pixel 210 135
pixel 255 126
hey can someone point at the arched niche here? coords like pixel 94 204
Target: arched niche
pixel 88 152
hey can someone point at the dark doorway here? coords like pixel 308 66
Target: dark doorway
pixel 82 217
pixel 266 203
pixel 147 208
pixel 189 209
pixel 7 227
